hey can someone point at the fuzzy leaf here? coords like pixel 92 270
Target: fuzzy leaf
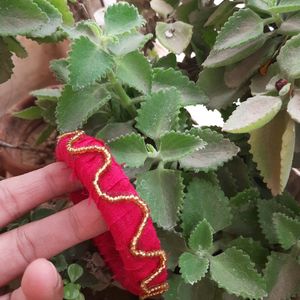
pixel 289 58
pixel 294 106
pixel 266 209
pixel 20 17
pixel 243 27
pixel 75 107
pixel 272 147
pixel 234 271
pixel 46 94
pixel 260 6
pixel 174 36
pixel 62 6
pixel 112 131
pixel 287 229
pixel 134 69
pixel 221 97
pixel 75 271
pixel 205 200
pixel 256 111
pixel 282 275
pixel 129 149
pixel 30 113
pixel 285 6
pixel 159 113
pixel 165 78
pixel 291 25
pixel 163 191
pixel 192 267
pixel 15 46
pixel 289 202
pixel 201 237
pixel 60 68
pixel 175 145
pixel 216 152
pixel 6 62
pixel 122 17
pixel 128 42
pixel 87 63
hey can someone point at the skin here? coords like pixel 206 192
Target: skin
pixel 25 250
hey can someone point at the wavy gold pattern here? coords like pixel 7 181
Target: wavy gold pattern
pixel 148 291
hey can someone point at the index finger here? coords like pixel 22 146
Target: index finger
pixel 22 193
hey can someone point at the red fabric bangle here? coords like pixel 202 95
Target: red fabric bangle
pixel 131 247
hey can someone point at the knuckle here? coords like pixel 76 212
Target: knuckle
pixel 76 225
pixel 9 203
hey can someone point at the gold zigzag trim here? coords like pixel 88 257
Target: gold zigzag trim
pixel 148 291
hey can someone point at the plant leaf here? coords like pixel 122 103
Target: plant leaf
pixel 112 131
pixel 6 62
pixel 166 78
pixel 175 145
pixel 287 229
pixel 129 149
pixel 289 58
pixel 15 46
pixel 260 6
pixel 205 200
pixel 122 17
pixel 60 68
pixel 75 107
pixel 192 267
pixel 134 69
pixel 87 63
pixel 75 271
pixel 29 113
pixel 163 191
pixel 201 237
pixel 174 36
pixel 47 94
pixel 242 27
pixel 291 25
pixel 30 17
pixel 235 272
pixel 256 111
pixel 285 6
pixel 159 113
pixel 294 106
pixel 272 147
pixel 216 152
pixel 62 6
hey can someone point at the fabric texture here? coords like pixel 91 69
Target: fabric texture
pixel 122 218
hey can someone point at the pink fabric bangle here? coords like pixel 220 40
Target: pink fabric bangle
pixel 131 247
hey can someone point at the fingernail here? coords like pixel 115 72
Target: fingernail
pixel 58 281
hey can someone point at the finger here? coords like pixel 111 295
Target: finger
pixel 48 237
pixel 22 193
pixel 40 282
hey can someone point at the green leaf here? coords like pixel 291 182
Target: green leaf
pixel 129 149
pixel 256 111
pixel 272 147
pixel 159 113
pixel 135 70
pixel 47 94
pixel 6 62
pixel 221 97
pixel 285 6
pixel 287 229
pixel 162 8
pixel 15 46
pixel 205 200
pixel 60 262
pixel 291 25
pixel 62 6
pixel 20 17
pixel 260 6
pixel 266 209
pixel 174 36
pixel 114 130
pixel 60 68
pixel 216 152
pixel 294 106
pixel 75 107
pixel 289 202
pixel 242 27
pixel 258 254
pixel 192 267
pixel 87 63
pixel 166 78
pixel 71 291
pixel 122 17
pixel 280 270
pixel 30 113
pixel 128 42
pixel 168 61
pixel 163 191
pixel 289 58
pixel 235 272
pixel 75 271
pixel 201 237
pixel 175 145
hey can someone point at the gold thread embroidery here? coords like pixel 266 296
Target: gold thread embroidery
pixel 148 291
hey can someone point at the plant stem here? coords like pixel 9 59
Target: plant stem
pixel 125 101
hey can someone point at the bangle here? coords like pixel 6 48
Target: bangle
pixel 130 247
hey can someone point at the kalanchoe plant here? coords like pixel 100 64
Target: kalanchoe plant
pixel 218 199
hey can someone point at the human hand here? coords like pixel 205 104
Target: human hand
pixel 26 247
